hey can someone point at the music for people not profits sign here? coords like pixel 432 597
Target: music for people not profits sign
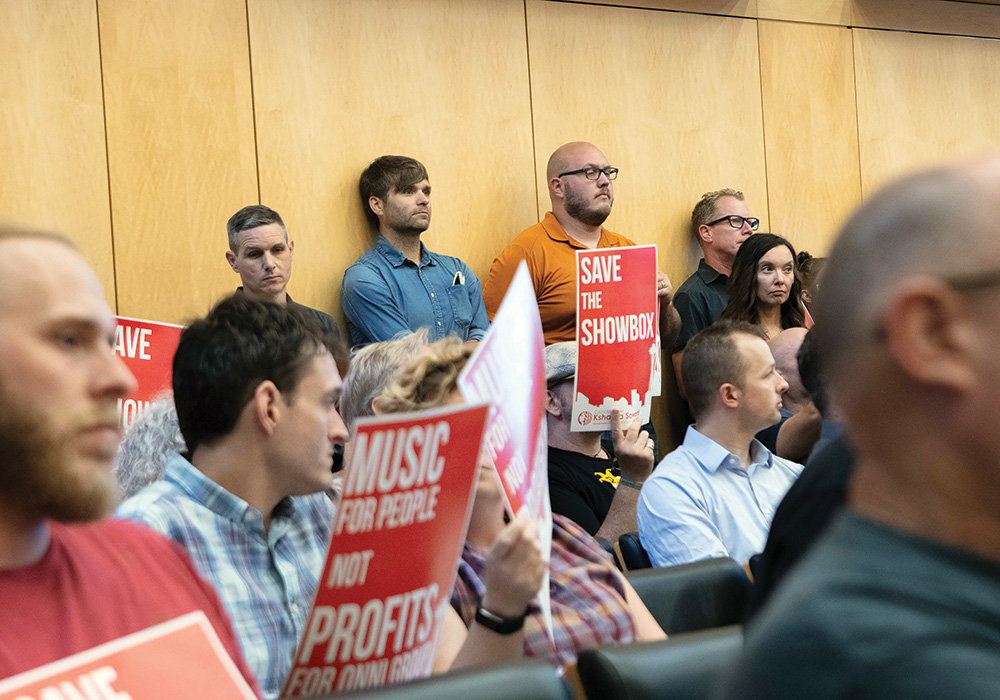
pixel 397 536
pixel 617 336
pixel 508 369
pixel 147 348
pixel 181 658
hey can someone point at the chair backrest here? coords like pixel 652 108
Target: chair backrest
pixel 685 667
pixel 630 553
pixel 688 597
pixel 526 680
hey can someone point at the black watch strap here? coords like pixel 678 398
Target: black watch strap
pixel 500 625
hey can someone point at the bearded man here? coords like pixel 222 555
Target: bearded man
pixel 581 190
pixel 71 579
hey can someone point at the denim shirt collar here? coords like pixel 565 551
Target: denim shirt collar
pixel 712 456
pixel 397 259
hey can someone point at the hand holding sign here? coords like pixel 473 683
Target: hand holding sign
pixel 508 369
pixel 633 449
pixel 515 568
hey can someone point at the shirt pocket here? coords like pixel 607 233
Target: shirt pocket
pixel 461 307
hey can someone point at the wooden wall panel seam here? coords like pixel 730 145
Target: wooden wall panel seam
pixel 857 116
pixel 531 113
pixel 253 102
pixel 107 155
pixel 763 122
pixel 963 18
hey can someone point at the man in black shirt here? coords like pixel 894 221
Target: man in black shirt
pixel 720 222
pixel 591 487
pixel 260 252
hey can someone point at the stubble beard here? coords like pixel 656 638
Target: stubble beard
pixel 36 470
pixel 578 207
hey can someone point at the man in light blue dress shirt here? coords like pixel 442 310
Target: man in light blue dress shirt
pixel 256 390
pixel 715 495
pixel 399 286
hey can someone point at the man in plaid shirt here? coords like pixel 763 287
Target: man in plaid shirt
pixel 256 388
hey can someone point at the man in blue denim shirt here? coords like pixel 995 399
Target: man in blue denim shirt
pixel 399 286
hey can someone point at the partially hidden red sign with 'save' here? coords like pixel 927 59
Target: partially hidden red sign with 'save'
pixel 617 336
pixel 147 347
pixel 181 658
pixel 397 537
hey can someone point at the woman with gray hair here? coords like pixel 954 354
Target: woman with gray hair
pixel 143 451
pixel 372 369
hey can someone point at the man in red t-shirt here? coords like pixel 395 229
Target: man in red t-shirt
pixel 70 580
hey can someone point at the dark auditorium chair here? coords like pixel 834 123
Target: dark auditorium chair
pixel 685 667
pixel 697 596
pixel 526 680
pixel 630 554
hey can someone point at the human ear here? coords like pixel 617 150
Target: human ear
pixel 266 405
pixel 729 395
pixel 376 205
pixel 552 405
pixel 930 335
pixel 231 259
pixel 556 187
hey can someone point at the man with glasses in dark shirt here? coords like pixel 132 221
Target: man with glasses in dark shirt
pixel 720 222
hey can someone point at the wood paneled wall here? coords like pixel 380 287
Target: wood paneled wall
pixel 140 126
pixel 53 164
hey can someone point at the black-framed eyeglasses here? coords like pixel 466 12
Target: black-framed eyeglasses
pixel 736 221
pixel 593 173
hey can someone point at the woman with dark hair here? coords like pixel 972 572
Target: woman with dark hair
pixel 764 287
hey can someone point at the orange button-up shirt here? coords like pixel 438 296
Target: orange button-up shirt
pixel 551 257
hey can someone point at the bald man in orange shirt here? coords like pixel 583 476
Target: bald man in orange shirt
pixel 581 191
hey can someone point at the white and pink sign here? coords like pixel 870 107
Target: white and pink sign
pixel 508 369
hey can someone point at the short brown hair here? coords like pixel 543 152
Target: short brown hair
pixel 704 211
pixel 712 359
pixel 429 380
pixel 384 174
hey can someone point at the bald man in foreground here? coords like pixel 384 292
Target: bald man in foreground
pixel 581 191
pixel 901 597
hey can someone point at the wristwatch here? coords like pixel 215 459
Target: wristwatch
pixel 500 625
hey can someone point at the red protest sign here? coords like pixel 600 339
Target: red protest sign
pixel 397 538
pixel 508 369
pixel 617 335
pixel 181 658
pixel 147 347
